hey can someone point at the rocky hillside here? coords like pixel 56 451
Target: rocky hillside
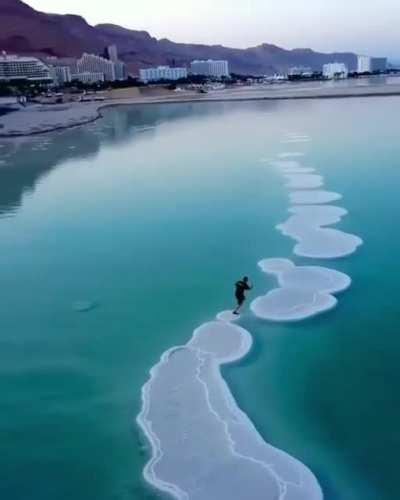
pixel 25 30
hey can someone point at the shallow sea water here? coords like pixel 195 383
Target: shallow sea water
pixel 120 238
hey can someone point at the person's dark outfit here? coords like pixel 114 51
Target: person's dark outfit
pixel 241 287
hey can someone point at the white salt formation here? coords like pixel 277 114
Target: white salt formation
pixel 325 243
pixel 276 266
pixel 308 290
pixel 292 304
pixel 319 215
pixel 296 140
pixel 303 181
pixel 291 167
pixel 308 197
pixel 290 155
pixel 304 291
pixel 313 278
pixel 295 137
pixel 227 316
pixel 203 446
pixel 306 226
pixel 310 215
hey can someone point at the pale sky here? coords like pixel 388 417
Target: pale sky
pixel 362 26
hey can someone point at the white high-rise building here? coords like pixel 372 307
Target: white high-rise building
pixel 368 64
pixel 90 63
pixel 22 68
pixel 60 74
pixel 88 77
pixel 211 68
pixel 120 70
pixel 162 73
pixel 335 71
pixel 112 52
pixel 68 62
pixel 364 64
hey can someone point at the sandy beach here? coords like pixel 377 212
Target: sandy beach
pixel 38 119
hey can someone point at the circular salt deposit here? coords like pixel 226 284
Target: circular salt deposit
pixel 296 140
pixel 297 170
pixel 326 243
pixel 313 197
pixel 318 215
pixel 304 291
pixel 297 135
pixel 291 167
pixel 276 266
pixel 292 304
pixel 315 279
pixel 226 342
pixel 303 181
pixel 227 316
pixel 290 155
pixel 314 240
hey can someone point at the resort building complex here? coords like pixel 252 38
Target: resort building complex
pixel 111 54
pixel 107 67
pixel 90 63
pixel 210 68
pixel 60 74
pixel 90 68
pixel 89 77
pixel 368 64
pixel 216 69
pixel 18 68
pixel 162 73
pixel 335 70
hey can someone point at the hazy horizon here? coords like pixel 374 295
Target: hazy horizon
pixel 349 25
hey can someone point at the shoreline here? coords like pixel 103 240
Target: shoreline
pixel 43 119
pixel 50 130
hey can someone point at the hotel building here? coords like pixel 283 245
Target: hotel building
pixel 60 74
pixel 216 69
pixel 335 71
pixel 90 63
pixel 162 73
pixel 368 64
pixel 111 53
pixel 22 68
pixel 89 77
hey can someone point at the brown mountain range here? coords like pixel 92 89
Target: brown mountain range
pixel 27 31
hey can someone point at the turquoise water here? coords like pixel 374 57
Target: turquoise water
pixel 145 219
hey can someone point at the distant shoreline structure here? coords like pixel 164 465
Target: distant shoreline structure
pixel 41 119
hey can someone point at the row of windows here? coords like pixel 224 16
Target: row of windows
pixel 163 73
pixel 29 69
